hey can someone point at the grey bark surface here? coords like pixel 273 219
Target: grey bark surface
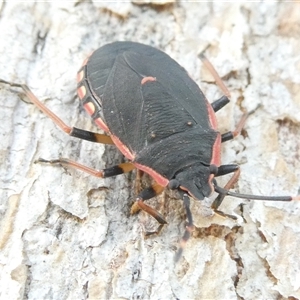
pixel 66 235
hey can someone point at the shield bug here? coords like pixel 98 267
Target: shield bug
pixel 160 120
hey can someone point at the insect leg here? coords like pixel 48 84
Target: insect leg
pixel 232 134
pixel 222 170
pixel 112 171
pixel 225 192
pixel 147 194
pixel 188 229
pixel 72 131
pixel 226 169
pixel 215 74
pixel 220 103
pixel 138 182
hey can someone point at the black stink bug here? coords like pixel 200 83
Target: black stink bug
pixel 159 119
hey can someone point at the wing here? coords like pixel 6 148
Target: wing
pixel 144 114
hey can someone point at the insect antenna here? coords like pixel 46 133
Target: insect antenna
pixel 225 192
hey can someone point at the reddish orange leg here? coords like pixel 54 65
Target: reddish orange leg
pixel 147 194
pixel 112 171
pixel 232 134
pixel 72 131
pixel 215 74
pixel 220 103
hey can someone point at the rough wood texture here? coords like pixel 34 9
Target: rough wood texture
pixel 65 235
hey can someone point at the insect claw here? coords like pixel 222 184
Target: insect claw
pixel 178 254
pixel 42 160
pixel 157 231
pixel 46 161
pixel 222 214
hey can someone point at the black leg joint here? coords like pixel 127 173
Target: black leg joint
pixel 83 134
pixel 147 193
pixel 113 171
pixel 226 136
pixel 220 103
pixel 226 169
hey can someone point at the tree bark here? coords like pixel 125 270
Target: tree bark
pixel 66 235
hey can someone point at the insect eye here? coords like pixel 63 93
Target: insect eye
pixel 173 184
pixel 213 169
